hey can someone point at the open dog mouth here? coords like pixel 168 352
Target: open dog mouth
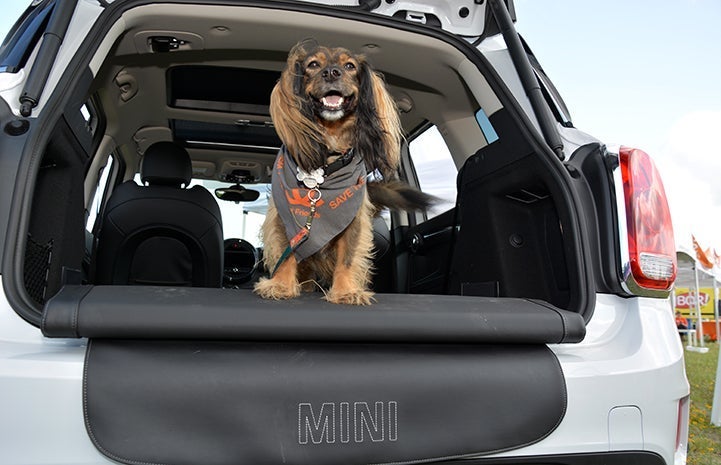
pixel 335 101
pixel 332 101
pixel 333 105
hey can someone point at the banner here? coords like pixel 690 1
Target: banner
pixel 686 301
pixel 702 255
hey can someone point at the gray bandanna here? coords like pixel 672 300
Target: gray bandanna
pixel 341 196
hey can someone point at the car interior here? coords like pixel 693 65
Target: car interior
pixel 200 77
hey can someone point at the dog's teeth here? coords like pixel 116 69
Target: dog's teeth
pixel 332 101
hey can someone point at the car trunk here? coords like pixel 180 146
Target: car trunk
pixel 453 361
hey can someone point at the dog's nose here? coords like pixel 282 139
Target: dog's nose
pixel 331 73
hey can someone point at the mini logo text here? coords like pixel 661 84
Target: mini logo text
pixel 344 422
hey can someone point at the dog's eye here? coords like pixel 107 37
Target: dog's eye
pixel 349 66
pixel 313 64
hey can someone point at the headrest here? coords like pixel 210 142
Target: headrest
pixel 167 164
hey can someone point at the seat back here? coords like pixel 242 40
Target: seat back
pixel 383 269
pixel 161 233
pixel 510 239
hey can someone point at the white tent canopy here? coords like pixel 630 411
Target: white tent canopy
pixel 692 275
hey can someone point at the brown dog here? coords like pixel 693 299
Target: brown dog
pixel 338 124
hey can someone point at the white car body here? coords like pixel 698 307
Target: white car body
pixel 626 383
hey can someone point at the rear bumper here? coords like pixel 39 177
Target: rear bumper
pixel 600 458
pixel 627 388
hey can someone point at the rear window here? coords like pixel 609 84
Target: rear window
pixel 22 38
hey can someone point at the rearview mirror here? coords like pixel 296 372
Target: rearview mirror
pixel 236 193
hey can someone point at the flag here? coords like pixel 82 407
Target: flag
pixel 701 255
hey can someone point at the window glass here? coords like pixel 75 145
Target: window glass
pixel 486 127
pixel 90 116
pixel 100 190
pixel 241 220
pixel 558 107
pixel 85 111
pixel 435 169
pixel 19 43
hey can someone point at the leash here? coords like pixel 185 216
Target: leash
pixel 314 196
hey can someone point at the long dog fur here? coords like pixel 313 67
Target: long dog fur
pixel 370 125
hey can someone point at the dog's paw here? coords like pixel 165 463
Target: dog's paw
pixel 275 290
pixel 359 297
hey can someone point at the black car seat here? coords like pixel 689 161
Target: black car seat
pixel 383 269
pixel 161 233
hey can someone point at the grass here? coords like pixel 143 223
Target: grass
pixel 704 439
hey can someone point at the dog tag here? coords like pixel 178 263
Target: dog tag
pixel 311 180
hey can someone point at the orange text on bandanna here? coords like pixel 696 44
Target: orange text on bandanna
pixel 345 195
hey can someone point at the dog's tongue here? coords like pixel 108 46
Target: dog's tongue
pixel 332 100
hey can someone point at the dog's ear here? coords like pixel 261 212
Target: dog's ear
pixel 304 48
pixel 298 78
pixel 291 113
pixel 296 57
pixel 379 129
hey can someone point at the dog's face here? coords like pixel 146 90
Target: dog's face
pixel 331 81
pixel 330 100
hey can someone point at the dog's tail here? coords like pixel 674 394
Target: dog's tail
pixel 397 195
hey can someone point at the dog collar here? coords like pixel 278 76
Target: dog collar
pixel 316 177
pixel 343 160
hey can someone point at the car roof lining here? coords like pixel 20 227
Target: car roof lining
pixel 433 76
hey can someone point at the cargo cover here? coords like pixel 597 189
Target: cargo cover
pixel 220 377
pixel 136 312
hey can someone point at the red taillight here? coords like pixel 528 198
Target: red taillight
pixel 651 246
